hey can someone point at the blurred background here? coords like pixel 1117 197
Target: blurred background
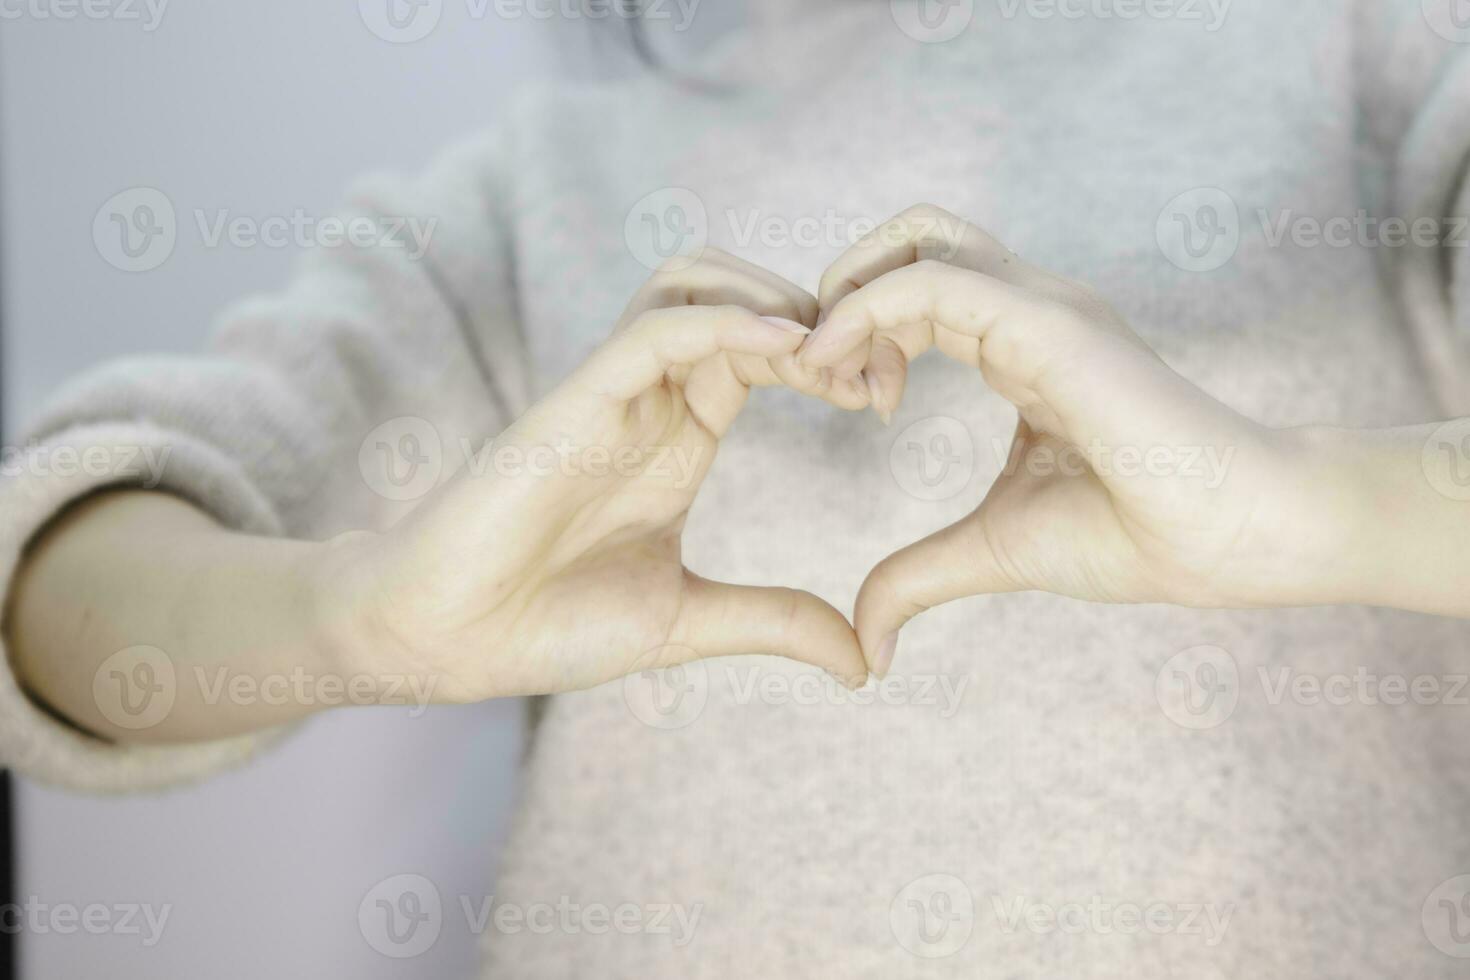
pixel 262 109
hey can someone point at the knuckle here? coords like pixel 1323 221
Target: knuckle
pixel 793 612
pixel 831 279
pixel 932 267
pixel 675 265
pixel 645 326
pixel 924 209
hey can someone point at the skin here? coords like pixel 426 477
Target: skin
pixel 498 584
pixel 504 585
pixel 1298 520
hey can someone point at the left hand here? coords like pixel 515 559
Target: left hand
pixel 1086 387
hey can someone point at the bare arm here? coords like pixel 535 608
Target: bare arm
pixel 138 618
pixel 231 615
pixel 1127 482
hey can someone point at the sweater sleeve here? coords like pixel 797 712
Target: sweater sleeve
pixel 293 423
pixel 1414 99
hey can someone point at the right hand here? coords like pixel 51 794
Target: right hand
pixel 515 583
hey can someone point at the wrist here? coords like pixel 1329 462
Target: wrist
pixel 1343 492
pixel 342 628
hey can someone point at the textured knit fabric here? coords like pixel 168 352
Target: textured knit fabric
pixel 1026 755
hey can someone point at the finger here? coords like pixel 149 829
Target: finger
pixel 960 300
pixel 853 363
pixel 1078 374
pixel 722 279
pixel 718 619
pixel 803 303
pixel 921 233
pixel 716 389
pixel 950 564
pixel 851 393
pixel 886 375
pixel 634 360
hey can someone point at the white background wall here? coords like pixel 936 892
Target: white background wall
pixel 263 108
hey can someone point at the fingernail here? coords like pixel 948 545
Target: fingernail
pixel 883 659
pixel 859 389
pixel 854 683
pixel 785 324
pixel 875 395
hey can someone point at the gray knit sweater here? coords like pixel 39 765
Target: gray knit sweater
pixel 1043 787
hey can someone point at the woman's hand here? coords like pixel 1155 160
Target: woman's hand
pixel 559 567
pixel 1106 496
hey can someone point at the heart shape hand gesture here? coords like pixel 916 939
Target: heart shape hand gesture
pixel 545 582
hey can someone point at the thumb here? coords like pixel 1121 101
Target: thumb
pixel 955 562
pixel 718 619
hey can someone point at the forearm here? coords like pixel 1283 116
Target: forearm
pixel 137 618
pixel 1399 500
